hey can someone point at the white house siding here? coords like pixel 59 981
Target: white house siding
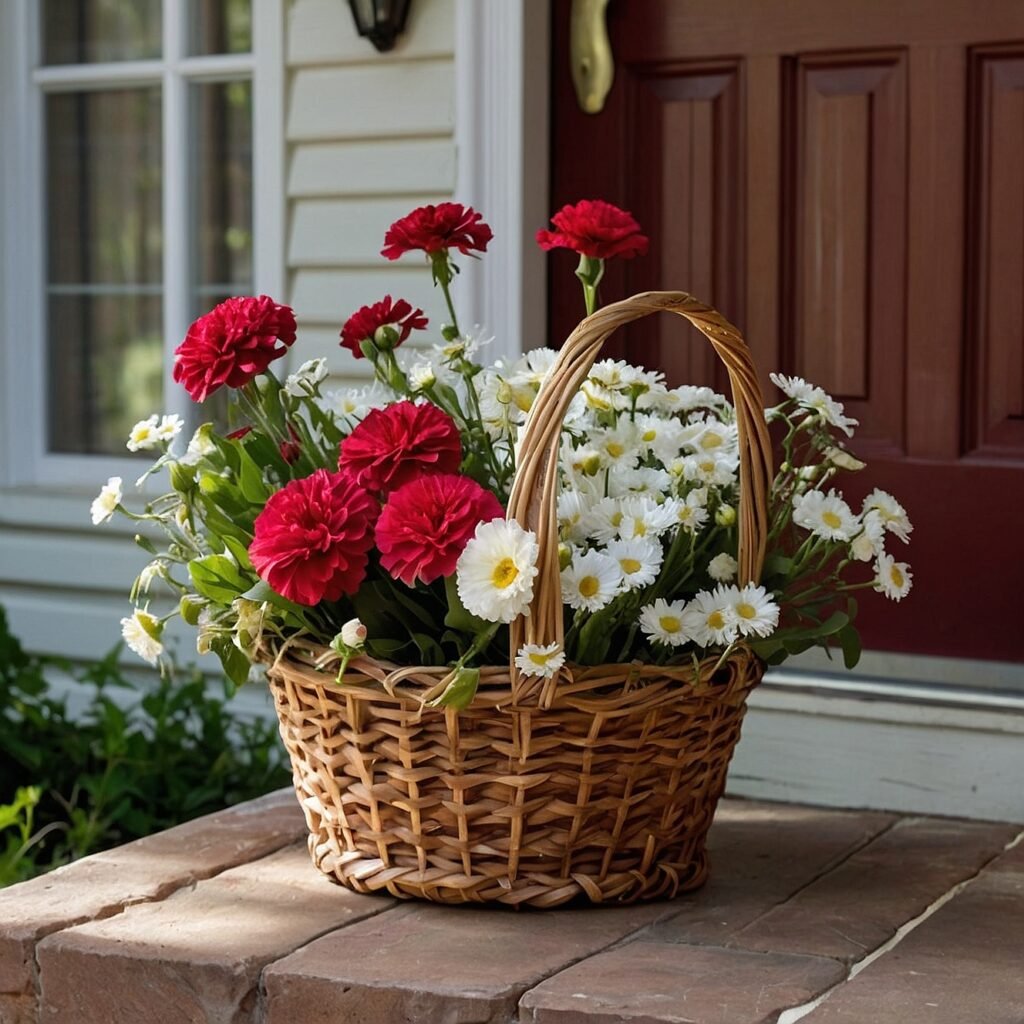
pixel 368 136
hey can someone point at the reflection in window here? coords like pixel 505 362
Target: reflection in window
pixel 104 265
pixel 93 31
pixel 219 26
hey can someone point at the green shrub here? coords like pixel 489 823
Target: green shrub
pixel 120 769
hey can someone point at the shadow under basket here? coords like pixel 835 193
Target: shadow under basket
pixel 605 794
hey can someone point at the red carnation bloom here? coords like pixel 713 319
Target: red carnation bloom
pixel 395 445
pixel 596 229
pixel 363 323
pixel 433 228
pixel 313 537
pixel 427 522
pixel 232 343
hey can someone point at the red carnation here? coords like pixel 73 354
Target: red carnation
pixel 433 228
pixel 232 343
pixel 313 537
pixel 596 229
pixel 363 323
pixel 395 445
pixel 427 522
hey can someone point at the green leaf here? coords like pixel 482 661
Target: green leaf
pixel 239 550
pixel 250 479
pixel 218 578
pixel 261 592
pixel 849 641
pixel 459 693
pixel 458 616
pixel 383 648
pixel 430 650
pixel 234 662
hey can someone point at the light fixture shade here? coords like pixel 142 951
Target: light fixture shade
pixel 380 21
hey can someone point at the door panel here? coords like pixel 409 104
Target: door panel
pixel 845 182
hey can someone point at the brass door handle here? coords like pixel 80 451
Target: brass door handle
pixel 590 54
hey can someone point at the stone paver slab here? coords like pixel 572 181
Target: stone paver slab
pixel 962 965
pixel 196 956
pixel 761 854
pixel 861 903
pixel 672 983
pixel 148 869
pixel 443 965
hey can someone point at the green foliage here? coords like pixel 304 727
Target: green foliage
pixel 120 769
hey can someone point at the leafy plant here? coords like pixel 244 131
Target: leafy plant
pixel 121 769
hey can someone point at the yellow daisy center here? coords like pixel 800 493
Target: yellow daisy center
pixel 746 611
pixel 639 528
pixel 615 449
pixel 589 586
pixel 540 658
pixel 831 519
pixel 616 519
pixel 670 623
pixel 650 435
pixel 709 441
pixel 630 565
pixel 707 466
pixel 716 620
pixel 505 573
pixel 897 576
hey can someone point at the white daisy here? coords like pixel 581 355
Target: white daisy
pixel 642 516
pixel 870 542
pixel 572 516
pixel 422 376
pixel 354 403
pixel 793 387
pixel 538 660
pixel 687 398
pixel 691 511
pixel 645 480
pixel 305 379
pixel 660 435
pixel 496 570
pixel 825 515
pixel 830 411
pixel 105 503
pixel 200 446
pixel 710 618
pixel 639 559
pixel 142 633
pixel 722 568
pixel 143 435
pixel 662 622
pixel 717 469
pixel 604 519
pixel 169 428
pixel 617 447
pixel 892 578
pixel 591 581
pixel 756 613
pixel 892 514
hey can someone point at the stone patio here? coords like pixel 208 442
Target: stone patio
pixel 813 915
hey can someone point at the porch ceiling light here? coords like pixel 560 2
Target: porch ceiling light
pixel 380 21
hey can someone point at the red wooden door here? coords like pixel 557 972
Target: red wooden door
pixel 846 183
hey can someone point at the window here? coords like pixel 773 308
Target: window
pixel 139 186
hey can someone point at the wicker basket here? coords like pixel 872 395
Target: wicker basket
pixel 597 785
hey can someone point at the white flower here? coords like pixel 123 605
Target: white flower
pixel 591 581
pixel 662 622
pixel 170 427
pixel 305 379
pixel 710 617
pixel 826 516
pixel 496 570
pixel 645 480
pixel 353 634
pixel 142 633
pixel 618 447
pixel 150 573
pixel 639 560
pixel 604 519
pixel 106 502
pixel 717 469
pixel 843 459
pixel 143 435
pixel 199 446
pixel 793 387
pixel 722 568
pixel 830 411
pixel 892 578
pixel 870 542
pixel 692 511
pixel 642 516
pixel 535 660
pixel 422 376
pixel 354 403
pixel 572 516
pixel 660 435
pixel 249 627
pixel 892 514
pixel 756 613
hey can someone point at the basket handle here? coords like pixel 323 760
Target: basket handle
pixel 532 502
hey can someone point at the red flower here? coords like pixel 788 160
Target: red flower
pixel 313 537
pixel 232 344
pixel 363 323
pixel 433 228
pixel 427 522
pixel 596 229
pixel 395 445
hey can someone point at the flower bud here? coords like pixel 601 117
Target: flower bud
pixel 449 332
pixel 367 347
pixel 843 459
pixel 564 557
pixel 725 516
pixel 145 543
pixel 386 337
pixel 503 393
pixel 183 478
pixel 353 634
pixel 190 606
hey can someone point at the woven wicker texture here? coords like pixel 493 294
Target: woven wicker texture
pixel 599 785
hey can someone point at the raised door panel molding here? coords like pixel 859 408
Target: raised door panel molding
pixel 995 319
pixel 692 198
pixel 845 177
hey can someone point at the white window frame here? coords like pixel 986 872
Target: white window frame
pixel 24 458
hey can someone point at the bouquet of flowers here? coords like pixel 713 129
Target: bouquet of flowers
pixel 372 521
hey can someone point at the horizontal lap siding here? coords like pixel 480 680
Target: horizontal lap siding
pixel 368 137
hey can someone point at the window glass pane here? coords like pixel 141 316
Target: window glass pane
pixel 93 31
pixel 219 26
pixel 222 183
pixel 104 265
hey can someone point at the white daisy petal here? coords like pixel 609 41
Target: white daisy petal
pixel 538 660
pixel 825 515
pixel 142 633
pixel 639 560
pixel 662 622
pixel 496 570
pixel 892 578
pixel 105 503
pixel 755 611
pixel 591 581
pixel 710 617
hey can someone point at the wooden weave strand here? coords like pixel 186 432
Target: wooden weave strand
pixel 599 786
